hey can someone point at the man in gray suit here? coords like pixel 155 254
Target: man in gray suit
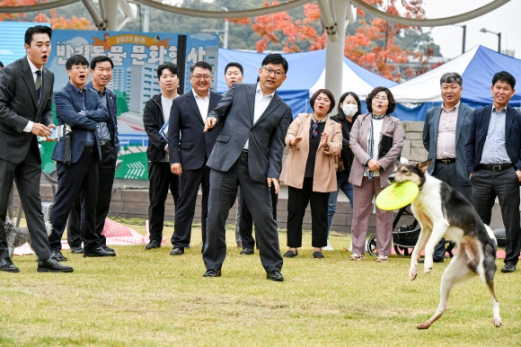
pixel 248 153
pixel 25 112
pixel 445 134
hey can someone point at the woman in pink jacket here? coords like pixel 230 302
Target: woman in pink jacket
pixel 376 141
pixel 309 170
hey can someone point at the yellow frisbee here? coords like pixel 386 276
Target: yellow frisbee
pixel 396 196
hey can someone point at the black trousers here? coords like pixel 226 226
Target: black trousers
pixel 223 191
pixel 78 179
pixel 106 172
pixel 189 183
pixel 486 186
pixel 246 220
pixel 447 173
pixel 161 181
pixel 298 200
pixel 26 176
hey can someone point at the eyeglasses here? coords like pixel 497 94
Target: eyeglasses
pixel 269 71
pixel 198 77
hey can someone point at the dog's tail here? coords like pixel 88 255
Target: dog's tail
pixel 491 234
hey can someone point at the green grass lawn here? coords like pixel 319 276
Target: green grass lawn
pixel 149 298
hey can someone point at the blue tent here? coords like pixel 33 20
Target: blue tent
pixel 477 67
pixel 306 73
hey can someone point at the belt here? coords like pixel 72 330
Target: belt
pixel 244 152
pixel 446 161
pixel 495 167
pixel 105 143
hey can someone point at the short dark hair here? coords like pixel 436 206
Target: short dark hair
pixel 201 64
pixel 390 98
pixel 234 64
pixel 329 95
pixel 76 60
pixel 1 64
pixel 37 29
pixel 451 77
pixel 100 59
pixel 358 103
pixel 168 66
pixel 504 76
pixel 276 59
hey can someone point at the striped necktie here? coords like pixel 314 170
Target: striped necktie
pixel 38 83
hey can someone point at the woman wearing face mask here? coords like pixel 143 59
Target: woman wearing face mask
pixel 376 141
pixel 348 110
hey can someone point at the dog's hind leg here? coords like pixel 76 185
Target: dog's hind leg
pixel 455 272
pixel 487 272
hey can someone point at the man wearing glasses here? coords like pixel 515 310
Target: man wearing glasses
pixel 189 149
pixel 248 153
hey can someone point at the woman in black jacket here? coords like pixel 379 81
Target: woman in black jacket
pixel 348 109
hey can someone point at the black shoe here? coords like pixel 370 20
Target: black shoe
pixel 248 251
pixel 58 256
pixel 77 250
pixel 177 251
pixel 7 265
pixel 318 255
pixel 274 276
pixel 51 265
pixel 153 244
pixel 291 254
pixel 212 273
pixel 434 259
pixel 98 252
pixel 108 249
pixel 508 268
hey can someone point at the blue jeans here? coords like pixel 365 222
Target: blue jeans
pixel 347 188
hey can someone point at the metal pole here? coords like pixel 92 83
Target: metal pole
pixel 499 42
pixel 464 26
pixel 226 30
pixel 146 19
pixel 335 50
pixel 112 15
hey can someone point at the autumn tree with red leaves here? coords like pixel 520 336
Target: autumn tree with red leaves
pixel 372 45
pixel 56 22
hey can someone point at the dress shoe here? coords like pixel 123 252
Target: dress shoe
pixel 51 265
pixel 291 254
pixel 153 244
pixel 77 250
pixel 177 251
pixel 98 252
pixel 318 255
pixel 274 276
pixel 108 249
pixel 247 251
pixel 508 268
pixel 58 256
pixel 7 265
pixel 212 273
pixel 434 259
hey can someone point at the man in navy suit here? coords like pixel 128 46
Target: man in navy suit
pixel 189 149
pixel 445 134
pixel 80 108
pixel 26 112
pixel 101 73
pixel 248 153
pixel 493 153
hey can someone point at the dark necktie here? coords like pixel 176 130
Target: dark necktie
pixel 38 83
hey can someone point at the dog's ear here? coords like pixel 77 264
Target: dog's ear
pixel 423 166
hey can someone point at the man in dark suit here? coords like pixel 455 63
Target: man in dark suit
pixel 82 110
pixel 445 134
pixel 493 153
pixel 25 112
pixel 248 153
pixel 156 114
pixel 101 73
pixel 189 150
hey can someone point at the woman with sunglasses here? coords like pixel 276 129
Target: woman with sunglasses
pixel 309 170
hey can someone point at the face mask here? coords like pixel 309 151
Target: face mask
pixel 349 109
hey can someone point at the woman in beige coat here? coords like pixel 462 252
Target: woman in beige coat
pixel 376 141
pixel 309 170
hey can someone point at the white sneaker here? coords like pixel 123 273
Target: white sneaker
pixel 328 247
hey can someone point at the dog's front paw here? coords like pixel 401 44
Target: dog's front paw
pixel 497 322
pixel 428 265
pixel 412 273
